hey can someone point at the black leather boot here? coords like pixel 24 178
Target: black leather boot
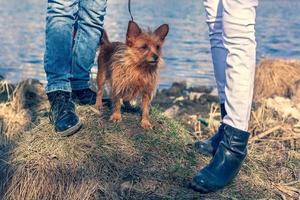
pixel 62 113
pixel 225 164
pixel 209 147
pixel 84 96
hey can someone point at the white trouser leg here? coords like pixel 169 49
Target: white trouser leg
pixel 214 14
pixel 239 39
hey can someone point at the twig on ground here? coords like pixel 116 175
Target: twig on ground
pixel 266 133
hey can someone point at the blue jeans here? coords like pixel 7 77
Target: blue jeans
pixel 68 62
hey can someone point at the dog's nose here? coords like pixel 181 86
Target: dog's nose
pixel 155 57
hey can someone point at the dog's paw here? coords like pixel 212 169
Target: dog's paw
pixel 146 124
pixel 99 106
pixel 116 117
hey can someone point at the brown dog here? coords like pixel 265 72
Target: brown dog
pixel 131 69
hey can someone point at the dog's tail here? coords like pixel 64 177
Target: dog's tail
pixel 105 39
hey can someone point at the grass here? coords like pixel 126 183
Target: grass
pixel 99 159
pixel 123 161
pixel 275 77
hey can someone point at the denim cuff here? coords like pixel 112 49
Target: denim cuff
pixel 80 85
pixel 66 87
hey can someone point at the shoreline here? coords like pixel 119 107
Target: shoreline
pixel 190 103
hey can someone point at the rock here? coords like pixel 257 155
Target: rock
pixel 162 100
pixel 207 98
pixel 178 99
pixel 177 89
pixel 194 95
pixel 172 111
pixel 214 92
pixel 284 106
pixel 201 89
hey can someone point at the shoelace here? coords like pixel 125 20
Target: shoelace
pixel 59 105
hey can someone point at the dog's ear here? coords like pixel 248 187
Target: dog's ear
pixel 162 31
pixel 133 31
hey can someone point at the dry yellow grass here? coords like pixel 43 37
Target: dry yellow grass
pixel 275 77
pixel 26 102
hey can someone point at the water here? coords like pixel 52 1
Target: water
pixel 186 52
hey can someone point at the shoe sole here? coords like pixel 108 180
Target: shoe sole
pixel 194 186
pixel 72 130
pixel 205 153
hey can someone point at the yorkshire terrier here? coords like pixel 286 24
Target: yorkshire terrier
pixel 131 69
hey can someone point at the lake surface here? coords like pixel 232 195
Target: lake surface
pixel 186 52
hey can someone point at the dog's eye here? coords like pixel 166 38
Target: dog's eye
pixel 158 47
pixel 145 46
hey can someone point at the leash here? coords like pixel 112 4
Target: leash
pixel 129 9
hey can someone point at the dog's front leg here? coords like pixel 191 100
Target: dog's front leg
pixel 146 100
pixel 100 82
pixel 116 116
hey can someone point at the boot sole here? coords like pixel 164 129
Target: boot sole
pixel 71 130
pixel 194 186
pixel 205 153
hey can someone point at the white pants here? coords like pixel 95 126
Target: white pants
pixel 233 46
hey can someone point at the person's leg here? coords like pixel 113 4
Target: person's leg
pixel 90 27
pixel 239 39
pixel 57 63
pixel 214 20
pixel 58 55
